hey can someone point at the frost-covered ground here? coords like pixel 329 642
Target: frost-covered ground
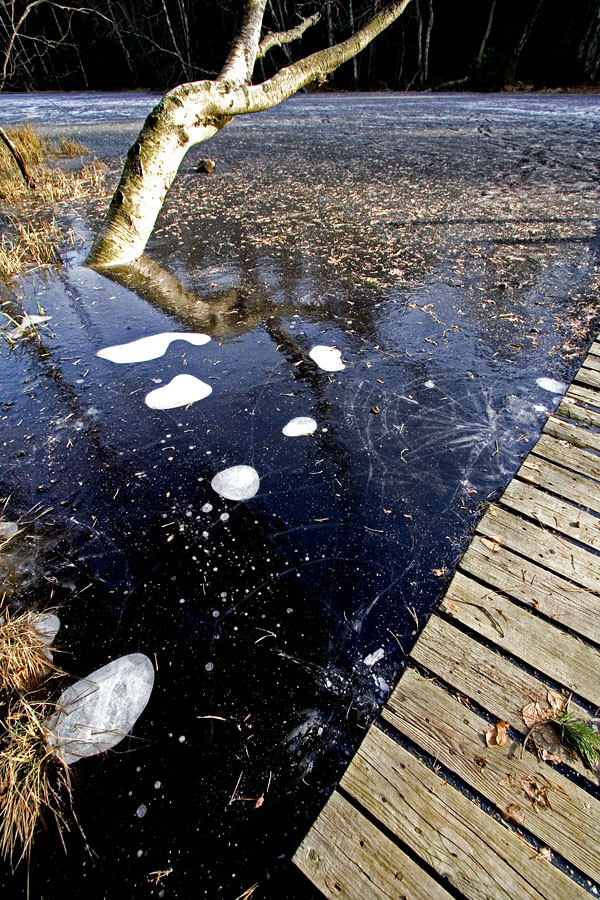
pixel 447 247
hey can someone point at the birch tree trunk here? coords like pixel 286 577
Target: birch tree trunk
pixel 194 112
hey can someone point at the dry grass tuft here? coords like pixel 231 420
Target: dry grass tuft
pixel 31 236
pixel 33 781
pixel 24 657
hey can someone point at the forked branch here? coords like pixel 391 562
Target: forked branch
pixel 279 38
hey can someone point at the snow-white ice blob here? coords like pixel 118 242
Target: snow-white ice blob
pixel 236 483
pixel 150 347
pixel 180 391
pixel 327 358
pixel 100 710
pixel 299 426
pixel 550 384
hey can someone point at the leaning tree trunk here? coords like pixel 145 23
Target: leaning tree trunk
pixel 194 112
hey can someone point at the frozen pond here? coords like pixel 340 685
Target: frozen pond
pixel 440 255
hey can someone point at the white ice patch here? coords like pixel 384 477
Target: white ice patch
pixel 299 426
pixel 327 358
pixel 539 407
pixel 8 529
pixel 180 391
pixel 236 483
pixel 550 384
pixel 151 347
pixel 430 384
pixel 374 657
pixel 100 710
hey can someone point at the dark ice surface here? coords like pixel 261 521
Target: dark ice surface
pixel 447 245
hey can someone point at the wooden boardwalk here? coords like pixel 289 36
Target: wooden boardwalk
pixel 428 808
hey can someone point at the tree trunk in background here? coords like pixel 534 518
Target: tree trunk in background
pixel 427 43
pixel 488 31
pixel 194 112
pixel 524 38
pixel 588 52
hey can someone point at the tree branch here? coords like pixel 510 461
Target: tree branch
pixel 239 65
pixel 279 38
pixel 27 178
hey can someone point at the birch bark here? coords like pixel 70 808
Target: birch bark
pixel 194 112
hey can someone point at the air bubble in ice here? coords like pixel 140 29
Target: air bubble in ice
pixel 301 425
pixel 141 811
pixel 236 483
pixel 327 358
pixel 207 508
pixel 180 391
pixel 97 712
pixel 550 384
pixel 151 347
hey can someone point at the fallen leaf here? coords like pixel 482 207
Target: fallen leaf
pixel 513 813
pixel 496 735
pixel 533 714
pixel 556 701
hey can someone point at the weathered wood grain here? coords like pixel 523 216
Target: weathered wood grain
pixel 550 806
pixel 571 486
pixel 583 395
pixel 535 543
pixel 493 682
pixel 570 457
pixel 595 348
pixel 569 408
pixel 592 362
pixel 476 854
pixel 574 434
pixel 588 376
pixel 551 595
pixel 574 665
pixel 347 857
pixel 551 511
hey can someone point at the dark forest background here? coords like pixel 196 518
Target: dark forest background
pixel 482 45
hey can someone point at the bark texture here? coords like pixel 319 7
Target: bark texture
pixel 194 112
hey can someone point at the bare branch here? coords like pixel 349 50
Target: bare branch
pixel 279 38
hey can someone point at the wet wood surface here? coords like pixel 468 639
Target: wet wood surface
pixel 465 774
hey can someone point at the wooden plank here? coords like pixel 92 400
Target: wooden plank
pixel 553 512
pixel 551 595
pixel 583 395
pixel 532 639
pixel 595 348
pixel 477 855
pixel 576 488
pixel 549 805
pixel 588 376
pixel 574 434
pixel 573 458
pixel 570 408
pixel 347 857
pixel 556 553
pixel 592 362
pixel 494 682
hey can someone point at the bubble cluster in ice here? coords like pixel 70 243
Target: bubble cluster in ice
pixel 99 711
pixel 550 384
pixel 299 426
pixel 150 347
pixel 180 391
pixel 327 358
pixel 236 483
